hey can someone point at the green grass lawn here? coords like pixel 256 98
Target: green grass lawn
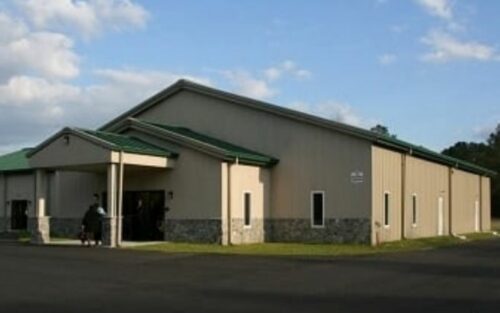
pixel 327 250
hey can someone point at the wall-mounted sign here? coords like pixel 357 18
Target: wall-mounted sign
pixel 357 177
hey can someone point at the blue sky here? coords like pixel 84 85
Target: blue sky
pixel 425 68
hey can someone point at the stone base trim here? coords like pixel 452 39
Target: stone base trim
pixel 109 231
pixel 39 228
pixel 4 224
pixel 241 234
pixel 65 227
pixel 191 230
pixel 338 230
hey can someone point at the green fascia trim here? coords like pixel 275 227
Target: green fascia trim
pixel 130 144
pixel 15 161
pixel 244 156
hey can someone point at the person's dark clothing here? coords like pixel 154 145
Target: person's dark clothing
pixel 93 223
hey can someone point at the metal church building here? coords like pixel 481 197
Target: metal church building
pixel 211 166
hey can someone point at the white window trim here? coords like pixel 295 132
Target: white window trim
pixel 313 192
pixel 243 206
pixel 414 222
pixel 388 225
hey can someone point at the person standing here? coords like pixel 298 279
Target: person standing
pixel 92 221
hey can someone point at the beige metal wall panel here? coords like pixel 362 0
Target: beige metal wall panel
pixel 251 179
pixel 78 151
pixel 73 192
pixel 485 203
pixel 3 204
pixel 386 177
pixel 195 183
pixel 428 181
pixel 256 181
pixel 20 187
pixel 465 193
pixel 311 158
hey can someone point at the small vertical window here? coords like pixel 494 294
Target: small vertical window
pixel 247 207
pixel 318 208
pixel 386 209
pixel 414 209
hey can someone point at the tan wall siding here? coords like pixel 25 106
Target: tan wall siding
pixel 256 181
pixel 311 158
pixel 195 182
pixel 20 187
pixel 73 193
pixel 3 205
pixel 428 181
pixel 485 203
pixel 78 151
pixel 386 177
pixel 465 192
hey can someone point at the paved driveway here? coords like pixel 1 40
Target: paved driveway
pixel 70 279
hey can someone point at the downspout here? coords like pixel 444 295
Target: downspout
pixel 450 200
pixel 119 221
pixel 480 203
pixel 403 195
pixel 229 206
pixel 5 206
pixel 228 203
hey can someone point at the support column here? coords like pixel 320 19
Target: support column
pixel 4 222
pixel 39 221
pixel 119 206
pixel 109 233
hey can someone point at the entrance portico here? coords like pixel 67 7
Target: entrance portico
pixel 91 151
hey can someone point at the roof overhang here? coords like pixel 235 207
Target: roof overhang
pixel 73 149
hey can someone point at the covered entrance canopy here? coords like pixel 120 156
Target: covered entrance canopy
pixel 74 149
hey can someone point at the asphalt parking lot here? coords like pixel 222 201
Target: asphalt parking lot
pixel 73 279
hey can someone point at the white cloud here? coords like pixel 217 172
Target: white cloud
pixel 483 132
pixel 248 85
pixel 50 54
pixel 334 110
pixel 146 78
pixel 87 17
pixel 38 61
pixel 445 48
pixel 386 59
pixel 286 68
pixel 440 8
pixel 23 90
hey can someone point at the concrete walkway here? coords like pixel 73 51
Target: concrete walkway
pixel 125 244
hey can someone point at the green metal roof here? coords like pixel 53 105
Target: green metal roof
pixel 244 155
pixel 129 144
pixel 15 161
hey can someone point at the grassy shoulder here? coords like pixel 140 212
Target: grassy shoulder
pixel 327 250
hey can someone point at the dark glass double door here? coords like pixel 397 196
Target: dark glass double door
pixel 143 215
pixel 19 215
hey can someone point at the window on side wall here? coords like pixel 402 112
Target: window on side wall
pixel 414 206
pixel 318 208
pixel 247 208
pixel 387 207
